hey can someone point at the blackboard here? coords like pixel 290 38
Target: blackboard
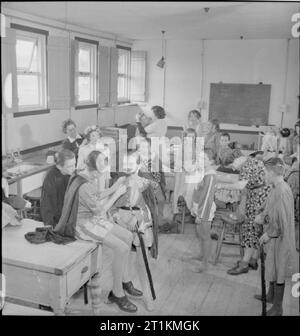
pixel 242 104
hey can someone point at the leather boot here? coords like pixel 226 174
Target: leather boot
pixel 270 294
pixel 129 289
pixel 241 268
pixel 276 309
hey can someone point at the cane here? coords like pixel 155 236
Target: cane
pixel 263 281
pixel 146 264
pixel 142 243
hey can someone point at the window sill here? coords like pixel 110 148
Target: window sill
pixel 30 113
pixel 84 107
pixel 126 104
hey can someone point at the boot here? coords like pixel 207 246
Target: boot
pixel 276 309
pixel 270 294
pixel 242 267
pixel 129 288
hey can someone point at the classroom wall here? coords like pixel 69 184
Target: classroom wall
pixel 31 131
pixel 229 61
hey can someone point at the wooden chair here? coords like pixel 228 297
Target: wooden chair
pixel 228 218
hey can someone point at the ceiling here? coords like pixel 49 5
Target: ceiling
pixel 180 20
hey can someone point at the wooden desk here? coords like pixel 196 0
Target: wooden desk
pixel 30 180
pixel 46 274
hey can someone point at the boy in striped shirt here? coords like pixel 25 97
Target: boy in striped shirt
pixel 204 208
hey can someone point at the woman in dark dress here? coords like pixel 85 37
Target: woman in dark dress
pixel 74 139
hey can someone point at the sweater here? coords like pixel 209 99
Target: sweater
pixel 52 198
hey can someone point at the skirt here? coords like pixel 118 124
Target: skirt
pixel 93 229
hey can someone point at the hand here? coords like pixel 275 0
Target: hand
pixel 138 117
pixel 264 238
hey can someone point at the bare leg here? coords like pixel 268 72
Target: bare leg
pixel 203 232
pixel 248 253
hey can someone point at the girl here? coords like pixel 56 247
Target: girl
pixel 92 224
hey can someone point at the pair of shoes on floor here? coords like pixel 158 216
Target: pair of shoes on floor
pixel 123 302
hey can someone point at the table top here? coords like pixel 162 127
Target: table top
pixel 46 257
pixel 40 164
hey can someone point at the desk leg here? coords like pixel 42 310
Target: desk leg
pixel 58 294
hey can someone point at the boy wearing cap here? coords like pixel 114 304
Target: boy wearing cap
pixel 279 234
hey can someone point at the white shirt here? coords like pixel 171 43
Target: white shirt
pixel 158 128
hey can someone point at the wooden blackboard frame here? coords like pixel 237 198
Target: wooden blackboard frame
pixel 242 104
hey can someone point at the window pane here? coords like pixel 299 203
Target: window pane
pixel 28 90
pixel 34 63
pixel 24 51
pixel 122 87
pixel 84 60
pixel 122 64
pixel 84 88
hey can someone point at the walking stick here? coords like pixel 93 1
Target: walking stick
pixel 142 243
pixel 263 281
pixel 146 264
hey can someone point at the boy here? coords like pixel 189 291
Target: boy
pixel 279 235
pixel 204 208
pixel 223 147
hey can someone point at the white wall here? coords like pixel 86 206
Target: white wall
pixel 30 131
pixel 229 61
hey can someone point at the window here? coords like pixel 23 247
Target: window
pixel 31 71
pixel 86 73
pixel 123 74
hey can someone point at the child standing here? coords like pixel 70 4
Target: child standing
pixel 279 236
pixel 204 209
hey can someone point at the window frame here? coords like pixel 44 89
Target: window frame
pixel 93 74
pixel 40 36
pixel 124 99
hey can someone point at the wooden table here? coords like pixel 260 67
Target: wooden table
pixel 30 180
pixel 47 274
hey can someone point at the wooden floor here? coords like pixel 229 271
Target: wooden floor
pixel 180 291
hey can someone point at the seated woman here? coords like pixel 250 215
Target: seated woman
pixel 74 139
pixel 55 185
pixel 92 223
pixel 132 212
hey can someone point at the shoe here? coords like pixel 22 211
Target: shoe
pixel 276 309
pixel 270 294
pixel 214 236
pixel 129 288
pixel 252 265
pixel 241 268
pixel 122 302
